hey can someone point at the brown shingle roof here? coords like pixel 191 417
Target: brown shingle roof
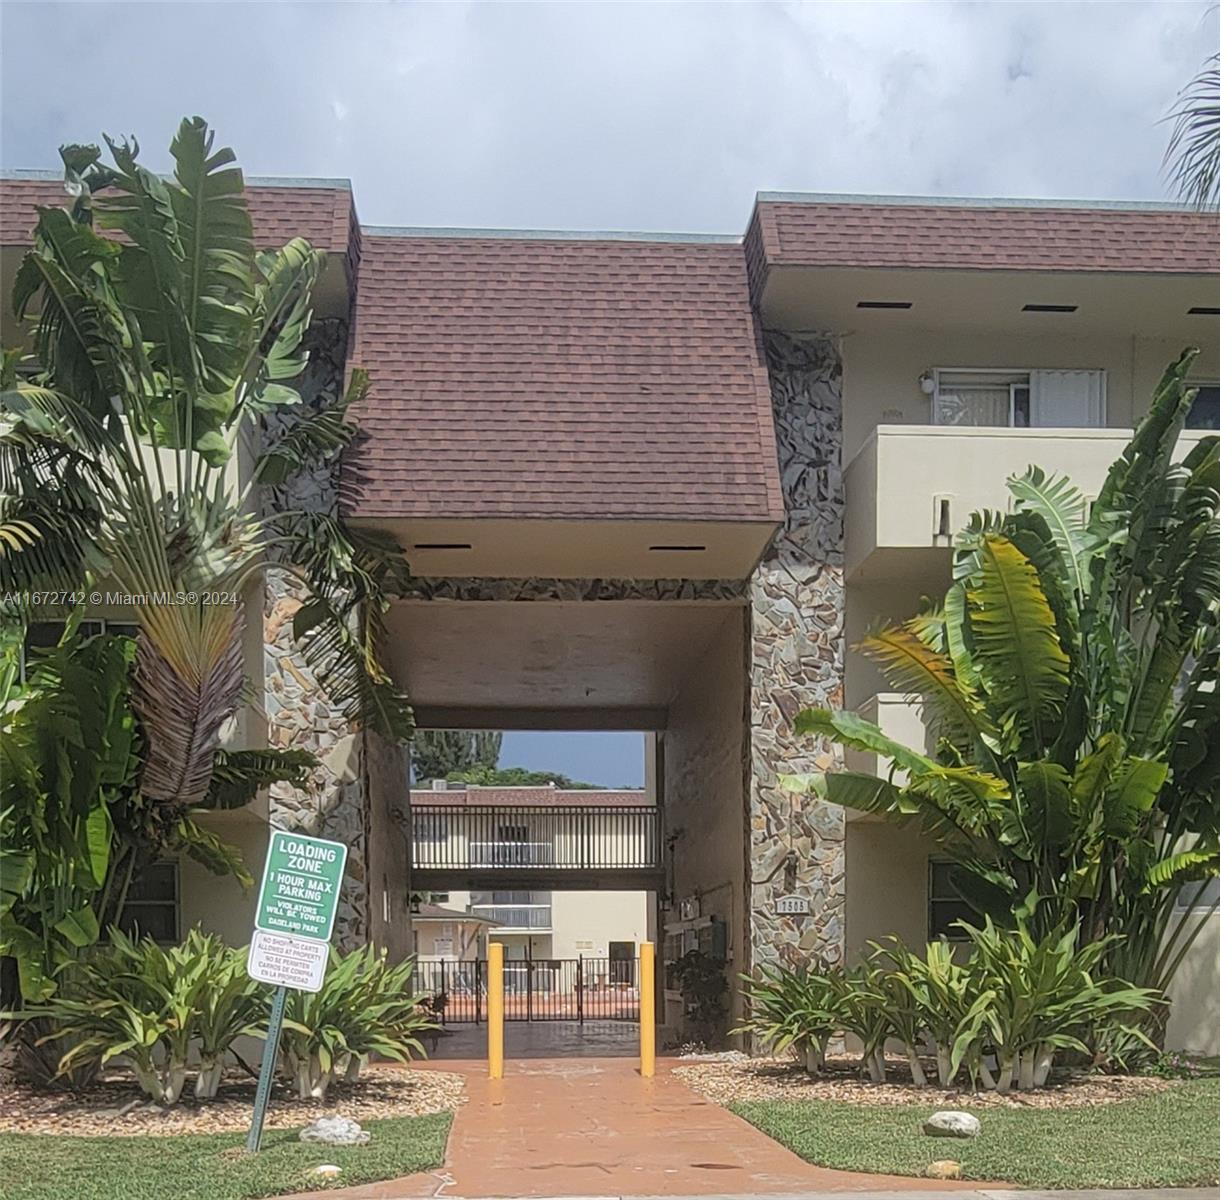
pixel 539 376
pixel 825 232
pixel 531 796
pixel 323 214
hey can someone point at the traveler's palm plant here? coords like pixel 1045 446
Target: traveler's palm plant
pixel 132 460
pixel 1069 678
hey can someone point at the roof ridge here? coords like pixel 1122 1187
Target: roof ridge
pixel 51 175
pixel 911 201
pixel 558 235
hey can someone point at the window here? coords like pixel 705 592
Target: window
pixel 944 904
pixel 1205 412
pixel 1200 895
pixel 151 909
pixel 1018 399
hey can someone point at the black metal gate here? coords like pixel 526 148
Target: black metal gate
pixel 538 989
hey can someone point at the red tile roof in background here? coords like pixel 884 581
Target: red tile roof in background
pixel 530 796
pixel 824 232
pixel 323 214
pixel 540 376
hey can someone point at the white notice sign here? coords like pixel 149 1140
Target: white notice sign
pixel 287 961
pixel 792 905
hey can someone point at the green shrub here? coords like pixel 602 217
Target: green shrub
pixel 232 1006
pixel 137 1001
pixel 1044 998
pixel 793 1008
pixel 1018 998
pixel 365 1007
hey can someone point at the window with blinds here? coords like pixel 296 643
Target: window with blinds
pixel 1019 399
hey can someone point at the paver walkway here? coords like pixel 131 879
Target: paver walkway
pixel 594 1127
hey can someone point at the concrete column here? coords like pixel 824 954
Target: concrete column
pixel 796 660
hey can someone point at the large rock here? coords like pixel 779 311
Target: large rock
pixel 335 1131
pixel 952 1124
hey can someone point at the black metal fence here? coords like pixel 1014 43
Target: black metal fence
pixel 562 837
pixel 539 989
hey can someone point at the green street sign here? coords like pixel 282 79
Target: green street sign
pixel 300 889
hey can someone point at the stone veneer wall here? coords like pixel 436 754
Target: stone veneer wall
pixel 332 803
pixel 796 660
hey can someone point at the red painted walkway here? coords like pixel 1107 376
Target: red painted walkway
pixel 594 1127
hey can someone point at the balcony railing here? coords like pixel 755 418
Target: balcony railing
pixel 555 838
pixel 511 854
pixel 534 916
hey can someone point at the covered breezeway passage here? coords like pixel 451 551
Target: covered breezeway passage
pixel 672 669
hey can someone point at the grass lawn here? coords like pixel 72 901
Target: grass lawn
pixel 209 1166
pixel 1166 1140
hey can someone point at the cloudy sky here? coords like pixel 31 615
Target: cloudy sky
pixel 619 116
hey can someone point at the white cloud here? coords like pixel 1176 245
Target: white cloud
pixel 620 116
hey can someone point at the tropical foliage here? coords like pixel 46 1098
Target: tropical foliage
pixel 147 1005
pixel 366 1007
pixel 1011 1004
pixel 700 980
pixel 75 826
pixel 133 456
pixel 1193 155
pixel 162 1010
pixel 1069 679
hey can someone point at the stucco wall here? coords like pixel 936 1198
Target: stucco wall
pixel 587 922
pixel 1194 1019
pixel 887 885
pixel 881 370
pixel 218 903
pixel 703 781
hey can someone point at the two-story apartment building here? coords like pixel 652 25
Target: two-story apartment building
pixel 664 482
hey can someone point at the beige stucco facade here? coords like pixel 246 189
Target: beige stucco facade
pixel 905 480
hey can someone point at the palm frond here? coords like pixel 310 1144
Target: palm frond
pixel 217 240
pixel 1063 507
pixel 1192 157
pixel 239 775
pixel 1023 667
pixel 910 664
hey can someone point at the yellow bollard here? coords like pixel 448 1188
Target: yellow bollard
pixel 648 1009
pixel 495 1010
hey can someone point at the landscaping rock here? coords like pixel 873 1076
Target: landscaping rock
pixel 944 1168
pixel 327 1171
pixel 335 1131
pixel 952 1124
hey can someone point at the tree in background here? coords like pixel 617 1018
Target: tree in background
pixel 1069 677
pixel 1193 155
pixel 483 776
pixel 439 753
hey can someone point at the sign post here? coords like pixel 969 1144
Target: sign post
pixel 297 902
